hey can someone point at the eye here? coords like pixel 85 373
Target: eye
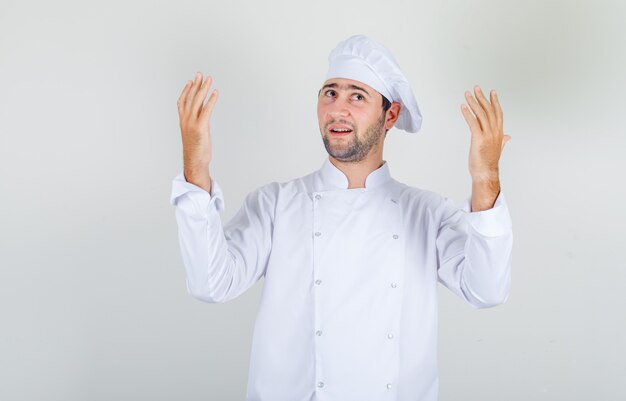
pixel 329 91
pixel 359 95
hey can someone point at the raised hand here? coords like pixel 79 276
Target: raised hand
pixel 194 115
pixel 487 143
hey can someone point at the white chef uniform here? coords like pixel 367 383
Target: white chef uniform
pixel 349 304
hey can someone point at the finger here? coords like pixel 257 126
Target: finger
pixel 478 111
pixel 207 110
pixel 183 97
pixel 194 88
pixel 201 95
pixel 499 114
pixel 488 108
pixel 471 120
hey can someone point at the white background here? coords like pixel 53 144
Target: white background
pixel 92 296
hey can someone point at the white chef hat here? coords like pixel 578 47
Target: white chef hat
pixel 365 60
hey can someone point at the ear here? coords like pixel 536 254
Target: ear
pixel 392 115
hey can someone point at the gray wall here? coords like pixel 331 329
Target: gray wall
pixel 92 295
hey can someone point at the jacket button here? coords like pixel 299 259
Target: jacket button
pixel 395 236
pixel 394 285
pixel 317 233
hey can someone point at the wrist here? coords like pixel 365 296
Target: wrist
pixel 484 194
pixel 198 175
pixel 195 167
pixel 485 176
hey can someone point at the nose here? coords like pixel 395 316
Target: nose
pixel 339 108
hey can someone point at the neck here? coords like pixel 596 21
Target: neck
pixel 357 172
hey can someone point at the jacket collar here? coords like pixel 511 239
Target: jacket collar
pixel 333 178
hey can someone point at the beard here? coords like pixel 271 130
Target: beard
pixel 355 149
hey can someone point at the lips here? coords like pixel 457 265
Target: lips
pixel 333 133
pixel 339 129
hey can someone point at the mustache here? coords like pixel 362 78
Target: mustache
pixel 339 122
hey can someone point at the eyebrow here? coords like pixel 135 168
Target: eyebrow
pixel 350 86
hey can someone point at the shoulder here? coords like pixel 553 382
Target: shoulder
pixel 300 185
pixel 273 191
pixel 416 197
pixel 419 203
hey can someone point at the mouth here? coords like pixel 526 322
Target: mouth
pixel 339 130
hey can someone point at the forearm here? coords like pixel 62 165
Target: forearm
pixel 475 252
pixel 198 175
pixel 485 191
pixel 486 270
pixel 222 261
pixel 204 250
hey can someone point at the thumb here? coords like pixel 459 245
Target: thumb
pixel 505 139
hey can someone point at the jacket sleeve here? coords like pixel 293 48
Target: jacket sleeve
pixel 474 252
pixel 221 262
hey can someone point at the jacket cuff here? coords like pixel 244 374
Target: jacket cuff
pixel 200 198
pixel 492 222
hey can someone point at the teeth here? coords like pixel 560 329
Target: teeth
pixel 341 130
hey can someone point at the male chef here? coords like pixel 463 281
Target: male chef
pixel 350 257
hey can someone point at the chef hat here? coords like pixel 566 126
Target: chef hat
pixel 365 60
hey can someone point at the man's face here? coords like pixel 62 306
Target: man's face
pixel 353 107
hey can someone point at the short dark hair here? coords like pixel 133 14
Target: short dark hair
pixel 386 104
